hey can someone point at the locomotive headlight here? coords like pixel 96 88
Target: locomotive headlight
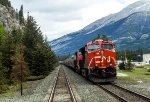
pixel 110 64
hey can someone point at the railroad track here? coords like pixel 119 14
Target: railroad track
pixel 123 94
pixel 62 91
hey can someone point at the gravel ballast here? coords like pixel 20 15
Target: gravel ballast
pixel 87 91
pixel 38 93
pixel 142 88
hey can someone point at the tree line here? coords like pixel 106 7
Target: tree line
pixel 103 37
pixel 134 55
pixel 24 52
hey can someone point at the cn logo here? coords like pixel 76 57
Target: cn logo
pixel 104 58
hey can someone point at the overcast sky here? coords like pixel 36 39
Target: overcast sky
pixel 59 17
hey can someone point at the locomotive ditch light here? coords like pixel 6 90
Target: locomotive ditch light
pixel 103 70
pixel 110 65
pixel 102 52
pixel 72 56
pixel 97 53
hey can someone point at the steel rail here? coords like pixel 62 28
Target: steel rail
pixel 113 94
pixel 132 92
pixel 70 90
pixel 106 90
pixel 73 99
pixel 53 88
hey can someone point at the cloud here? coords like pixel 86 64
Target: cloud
pixel 127 2
pixel 60 17
pixel 97 11
pixel 55 6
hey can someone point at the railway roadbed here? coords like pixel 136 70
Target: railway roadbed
pixel 62 90
pixel 123 94
pixel 88 91
pixel 142 88
pixel 91 92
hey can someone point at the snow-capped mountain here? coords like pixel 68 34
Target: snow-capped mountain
pixel 129 28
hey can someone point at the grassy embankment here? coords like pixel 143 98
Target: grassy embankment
pixel 14 89
pixel 139 73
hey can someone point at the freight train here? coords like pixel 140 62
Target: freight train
pixel 95 61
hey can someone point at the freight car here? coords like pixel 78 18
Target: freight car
pixel 95 61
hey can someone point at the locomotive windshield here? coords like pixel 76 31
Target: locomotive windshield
pixel 107 46
pixel 93 47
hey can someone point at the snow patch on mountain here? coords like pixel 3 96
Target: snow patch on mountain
pixel 145 36
pixel 65 38
pixel 129 37
pixel 98 24
pixel 60 46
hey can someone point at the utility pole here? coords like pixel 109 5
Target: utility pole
pixel 21 91
pixel 125 56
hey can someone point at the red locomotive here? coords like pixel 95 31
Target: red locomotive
pixel 95 61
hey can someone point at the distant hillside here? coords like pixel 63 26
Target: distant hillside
pixel 129 29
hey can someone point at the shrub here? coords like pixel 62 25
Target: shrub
pixel 121 66
pixel 3 88
pixel 33 78
pixel 148 69
pixel 129 65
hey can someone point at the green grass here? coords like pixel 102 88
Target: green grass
pixel 11 90
pixel 14 89
pixel 33 78
pixel 148 65
pixel 138 73
pixel 124 78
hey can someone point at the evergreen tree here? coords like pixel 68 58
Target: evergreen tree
pixel 129 65
pixel 21 17
pixel 38 54
pixel 7 53
pixel 19 67
pixel 17 14
pixel 97 37
pixel 104 37
pixel 9 4
pixel 2 34
pixel 2 45
pixel 17 57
